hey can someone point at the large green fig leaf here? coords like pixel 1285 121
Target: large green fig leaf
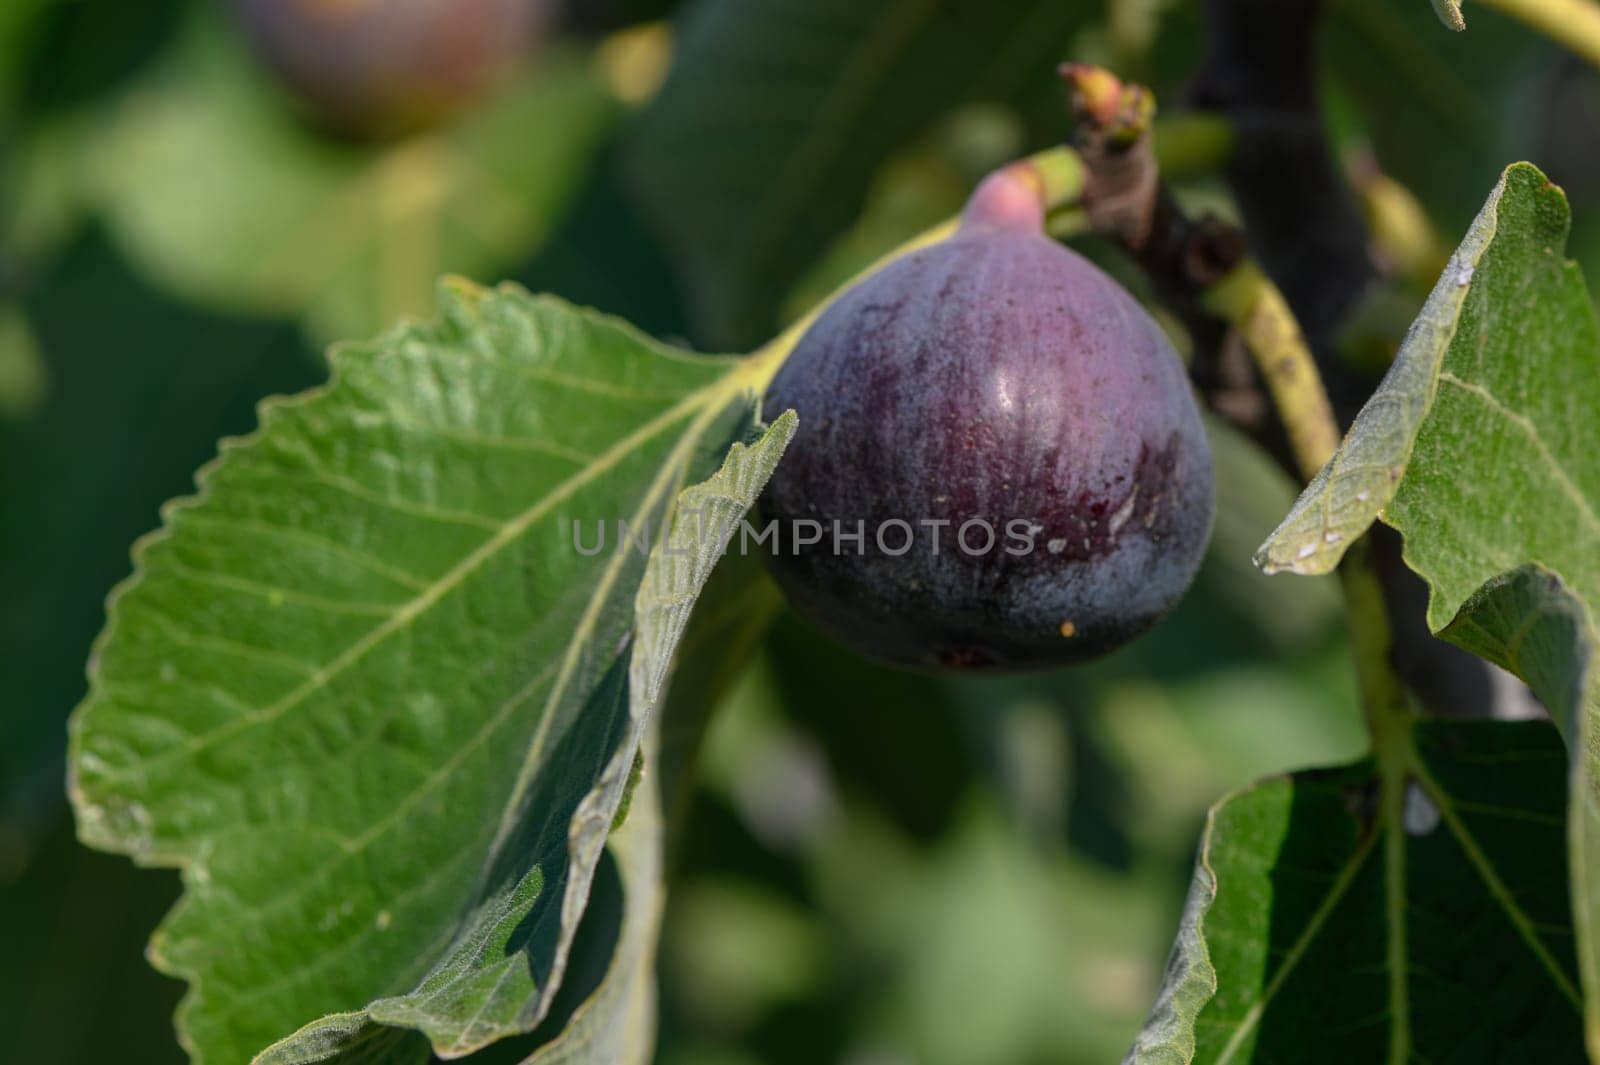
pixel 215 187
pixel 761 145
pixel 1411 907
pixel 1482 447
pixel 374 699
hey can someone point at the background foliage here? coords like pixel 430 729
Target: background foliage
pixel 876 867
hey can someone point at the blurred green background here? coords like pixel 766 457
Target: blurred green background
pixel 878 868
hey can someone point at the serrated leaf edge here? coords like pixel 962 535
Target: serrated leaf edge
pixel 458 297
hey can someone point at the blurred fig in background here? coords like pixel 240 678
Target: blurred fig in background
pixel 379 68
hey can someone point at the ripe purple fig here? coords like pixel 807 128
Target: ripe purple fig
pixel 381 67
pixel 1014 438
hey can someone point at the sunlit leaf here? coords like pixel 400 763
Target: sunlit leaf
pixel 372 698
pixel 1482 447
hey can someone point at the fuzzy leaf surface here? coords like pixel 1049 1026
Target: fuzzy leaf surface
pixel 1482 447
pixel 370 698
pixel 1412 907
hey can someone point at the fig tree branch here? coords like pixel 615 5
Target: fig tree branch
pixel 1260 71
pixel 1252 304
pixel 1384 703
pixel 1110 178
pixel 1204 265
pixel 1199 266
pixel 1054 175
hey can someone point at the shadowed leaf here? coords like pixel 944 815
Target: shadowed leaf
pixel 1409 909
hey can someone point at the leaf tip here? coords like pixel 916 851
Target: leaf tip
pixel 1263 561
pixel 460 296
pixel 1528 176
pixel 1300 556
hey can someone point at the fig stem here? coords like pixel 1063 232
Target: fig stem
pixel 1385 704
pixel 1252 304
pixel 1387 709
pixel 1183 143
pixel 1054 175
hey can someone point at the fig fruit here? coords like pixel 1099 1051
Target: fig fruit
pixel 375 68
pixel 999 463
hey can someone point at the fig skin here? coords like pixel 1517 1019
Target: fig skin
pixel 381 68
pixel 999 376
